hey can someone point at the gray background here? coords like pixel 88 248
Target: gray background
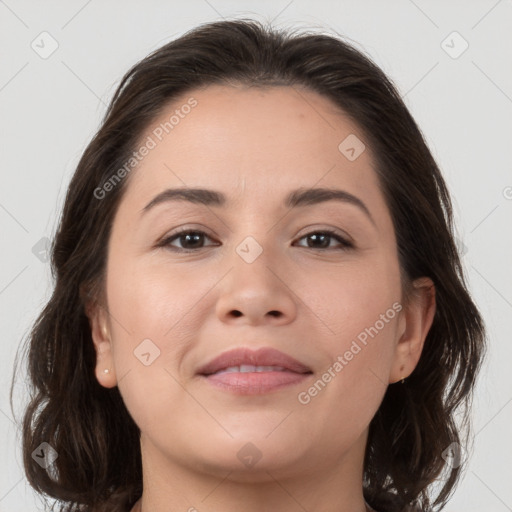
pixel 51 107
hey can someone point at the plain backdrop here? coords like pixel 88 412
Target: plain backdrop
pixel 451 61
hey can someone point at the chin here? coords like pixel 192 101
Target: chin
pixel 247 455
pixel 261 471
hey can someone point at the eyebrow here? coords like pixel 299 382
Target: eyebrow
pixel 295 199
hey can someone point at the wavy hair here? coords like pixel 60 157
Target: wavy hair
pixel 99 461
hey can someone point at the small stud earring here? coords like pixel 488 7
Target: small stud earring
pixel 106 370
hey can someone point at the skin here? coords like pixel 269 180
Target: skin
pixel 254 145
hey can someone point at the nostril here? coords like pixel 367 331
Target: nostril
pixel 275 313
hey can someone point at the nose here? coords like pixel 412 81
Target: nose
pixel 257 293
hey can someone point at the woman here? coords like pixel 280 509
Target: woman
pixel 258 304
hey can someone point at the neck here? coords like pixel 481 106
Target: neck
pixel 313 485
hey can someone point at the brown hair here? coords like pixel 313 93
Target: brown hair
pixel 99 463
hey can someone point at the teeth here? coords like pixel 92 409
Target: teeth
pixel 248 368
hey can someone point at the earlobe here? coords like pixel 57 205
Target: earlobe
pixel 101 337
pixel 105 372
pixel 418 316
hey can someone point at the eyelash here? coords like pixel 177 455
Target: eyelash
pixel 346 245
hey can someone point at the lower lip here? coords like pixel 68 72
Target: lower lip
pixel 255 383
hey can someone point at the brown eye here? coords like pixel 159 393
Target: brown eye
pixel 191 240
pixel 322 240
pixel 188 239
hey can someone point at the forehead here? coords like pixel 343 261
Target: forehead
pixel 256 143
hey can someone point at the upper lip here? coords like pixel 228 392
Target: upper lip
pixel 265 356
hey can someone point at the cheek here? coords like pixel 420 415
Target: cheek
pixel 148 324
pixel 357 310
pixel 338 303
pixel 350 312
pixel 148 300
pixel 351 300
pixel 357 350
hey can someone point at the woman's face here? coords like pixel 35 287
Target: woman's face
pixel 256 272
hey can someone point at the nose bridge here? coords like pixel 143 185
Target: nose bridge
pixel 253 261
pixel 254 290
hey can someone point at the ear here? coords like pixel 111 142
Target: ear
pixel 100 331
pixel 416 320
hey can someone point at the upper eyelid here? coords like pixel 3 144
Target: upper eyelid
pixel 344 238
pixel 310 229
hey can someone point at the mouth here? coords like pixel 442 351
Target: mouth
pixel 246 372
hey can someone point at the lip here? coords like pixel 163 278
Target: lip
pixel 250 383
pixel 265 356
